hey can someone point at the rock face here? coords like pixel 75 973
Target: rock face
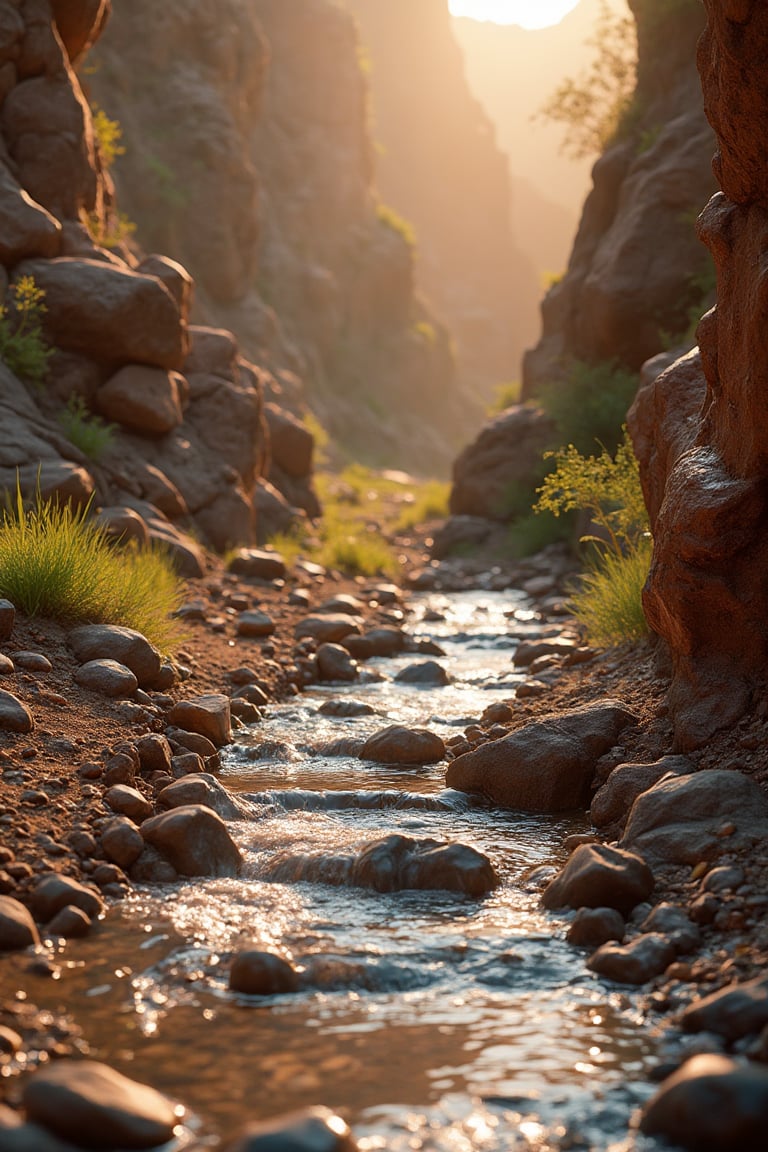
pixel 705 596
pixel 635 268
pixel 286 248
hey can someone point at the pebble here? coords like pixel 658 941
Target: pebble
pixel 635 963
pixel 257 973
pixel 32 662
pixel 254 625
pixel 17 928
pixel 314 1130
pixel 127 801
pixel 592 927
pixel 14 716
pixel 107 677
pixel 429 673
pixel 346 708
pixel 207 716
pixel 122 842
pixel 7 619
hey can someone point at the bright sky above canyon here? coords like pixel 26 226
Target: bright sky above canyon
pixel 527 13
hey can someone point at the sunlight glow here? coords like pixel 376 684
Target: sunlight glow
pixel 526 13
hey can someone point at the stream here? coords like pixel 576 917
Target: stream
pixel 433 1020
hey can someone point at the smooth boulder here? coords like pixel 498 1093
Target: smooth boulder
pixel 194 840
pixel 17 928
pixel 258 973
pixel 107 677
pixel 314 1130
pixel 123 645
pixel 208 716
pixel 636 962
pixel 598 876
pixel 399 745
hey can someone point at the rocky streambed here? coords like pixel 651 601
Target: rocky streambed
pixel 357 934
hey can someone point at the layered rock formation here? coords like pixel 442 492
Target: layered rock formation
pixel 440 167
pixel 248 158
pixel 636 269
pixel 705 480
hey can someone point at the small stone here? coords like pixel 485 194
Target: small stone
pixel 259 564
pixel 14 716
pixel 597 876
pixel 334 663
pixel 32 662
pixel 428 673
pixel 209 716
pixel 732 1012
pixel 634 963
pixel 127 801
pixel 6 665
pixel 154 753
pixel 186 764
pixel 123 645
pixel 328 629
pixel 592 927
pixel 122 842
pixel 53 892
pixel 69 922
pixel 346 708
pixel 399 745
pixel 7 619
pixel 257 973
pixel 252 694
pixel 314 1130
pixel 17 928
pixel 120 769
pixel 255 624
pixel 107 677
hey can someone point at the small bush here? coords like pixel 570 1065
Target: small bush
pixel 22 345
pixel 609 603
pixel 430 502
pixel 534 531
pixel 107 133
pixel 111 231
pixel 57 563
pixel 507 394
pixel 590 406
pixel 88 433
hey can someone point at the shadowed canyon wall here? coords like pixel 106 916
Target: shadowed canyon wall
pixel 248 157
pixel 438 164
pixel 701 428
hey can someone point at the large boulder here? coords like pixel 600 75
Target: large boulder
pixel 546 766
pixel 146 400
pixel 194 840
pixel 291 442
pixel 686 819
pixel 397 744
pixel 109 312
pixel 26 229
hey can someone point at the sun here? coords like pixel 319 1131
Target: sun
pixel 526 13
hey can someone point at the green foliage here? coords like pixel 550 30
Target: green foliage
pixel 534 531
pixel 111 231
pixel 391 219
pixel 430 502
pixel 592 105
pixel 107 133
pixel 88 433
pixel 22 346
pixel 507 394
pixel 608 488
pixel 355 552
pixel 55 562
pixel 591 404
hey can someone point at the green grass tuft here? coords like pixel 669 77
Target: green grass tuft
pixel 88 433
pixel 609 602
pixel 430 502
pixel 56 563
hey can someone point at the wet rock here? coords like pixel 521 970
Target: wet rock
pixel 329 628
pixel 711 1104
pixel 7 619
pixel 253 694
pixel 528 651
pixel 209 716
pixel 202 789
pixel 94 1106
pixel 313 1130
pixel 343 603
pixel 194 840
pixel 257 973
pixel 107 677
pixel 127 801
pixel 152 868
pixel 69 922
pixel 346 708
pixel 344 746
pixel 399 745
pixel 14 715
pixel 257 563
pixel 612 802
pixel 255 625
pixel 546 766
pixel 598 876
pixel 677 821
pixel 634 963
pixel 334 663
pixel 386 641
pixel 676 925
pixel 123 645
pixel 122 842
pixel 194 742
pixel 359 647
pixel 54 892
pixel 592 927
pixel 428 673
pixel 732 1012
pixel 17 928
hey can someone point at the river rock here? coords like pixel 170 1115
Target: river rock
pixel 257 973
pixel 359 647
pixel 194 840
pixel 314 1130
pixel 7 619
pixel 346 708
pixel 194 742
pixel 612 802
pixel 343 603
pixel 154 753
pixel 598 876
pixel 54 891
pixel 122 842
pixel 334 663
pixel 635 963
pixel 681 820
pixel 674 923
pixel 259 564
pixel 69 922
pixel 94 1106
pixel 710 1104
pixel 429 673
pixel 209 716
pixel 546 766
pixel 592 927
pixel 14 715
pixel 329 628
pixel 732 1012
pixel 399 745
pixel 6 665
pixel 529 651
pixel 202 789
pixel 17 928
pixel 123 645
pixel 127 801
pixel 32 662
pixel 107 677
pixel 386 641
pixel 255 625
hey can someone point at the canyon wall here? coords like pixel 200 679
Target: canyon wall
pixel 637 270
pixel 248 157
pixel 438 164
pixel 700 428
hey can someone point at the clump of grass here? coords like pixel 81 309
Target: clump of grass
pixel 57 563
pixel 111 231
pixel 609 603
pixel 430 502
pixel 88 433
pixel 507 394
pixel 22 345
pixel 356 553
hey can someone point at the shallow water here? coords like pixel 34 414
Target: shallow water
pixel 432 1020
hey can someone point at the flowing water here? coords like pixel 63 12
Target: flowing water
pixel 431 1019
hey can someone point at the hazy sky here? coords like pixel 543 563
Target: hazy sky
pixel 528 13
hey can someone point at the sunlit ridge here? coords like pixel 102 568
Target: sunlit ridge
pixel 527 13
